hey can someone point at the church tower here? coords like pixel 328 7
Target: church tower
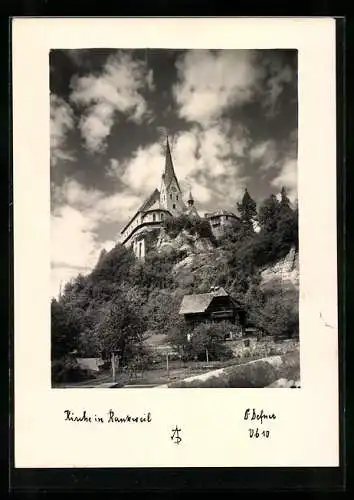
pixel 170 192
pixel 191 210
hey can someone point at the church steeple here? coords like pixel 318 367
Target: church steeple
pixel 169 172
pixel 170 193
pixel 190 199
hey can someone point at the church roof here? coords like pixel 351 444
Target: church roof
pixel 155 195
pixel 169 172
pixel 198 303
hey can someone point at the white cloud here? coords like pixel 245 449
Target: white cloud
pixel 62 273
pixel 72 237
pixel 209 82
pixel 61 122
pixel 116 89
pixel 264 154
pixel 279 76
pixel 75 222
pixel 142 174
pixel 287 178
pixel 207 160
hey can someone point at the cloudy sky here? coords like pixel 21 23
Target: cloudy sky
pixel 231 117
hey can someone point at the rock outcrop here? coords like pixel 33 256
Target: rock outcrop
pixel 185 243
pixel 285 270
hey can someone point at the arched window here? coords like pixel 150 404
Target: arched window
pixel 170 196
pixel 173 206
pixel 176 196
pixel 161 216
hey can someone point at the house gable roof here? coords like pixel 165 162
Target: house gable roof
pixel 198 303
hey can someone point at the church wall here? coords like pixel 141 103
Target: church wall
pixel 135 222
pixel 154 216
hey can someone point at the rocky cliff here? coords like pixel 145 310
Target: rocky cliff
pixel 185 243
pixel 200 261
pixel 285 270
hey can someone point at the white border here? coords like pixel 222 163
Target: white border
pixel 306 430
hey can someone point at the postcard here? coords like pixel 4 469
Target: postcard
pixel 175 242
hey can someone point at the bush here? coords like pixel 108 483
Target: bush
pixel 211 337
pixel 68 370
pixel 194 225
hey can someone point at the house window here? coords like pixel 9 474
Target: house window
pixel 153 217
pixel 170 196
pixel 161 216
pixel 173 206
pixel 176 196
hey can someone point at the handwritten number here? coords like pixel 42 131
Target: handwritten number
pixel 255 433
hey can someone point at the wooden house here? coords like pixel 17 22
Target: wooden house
pixel 216 305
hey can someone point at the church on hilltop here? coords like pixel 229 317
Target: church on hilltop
pixel 161 204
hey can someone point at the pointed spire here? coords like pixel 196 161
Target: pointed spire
pixel 169 172
pixel 190 198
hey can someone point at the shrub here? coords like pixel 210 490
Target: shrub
pixel 68 370
pixel 194 225
pixel 211 337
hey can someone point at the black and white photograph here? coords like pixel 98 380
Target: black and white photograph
pixel 174 218
pixel 175 227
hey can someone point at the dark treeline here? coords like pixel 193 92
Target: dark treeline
pixel 123 300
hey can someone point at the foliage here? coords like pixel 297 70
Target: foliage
pixel 65 329
pixel 120 325
pixel 67 369
pixel 161 310
pixel 193 225
pixel 204 338
pixel 247 210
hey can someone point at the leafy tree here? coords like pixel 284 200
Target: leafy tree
pixel 192 224
pixel 287 227
pixel 204 337
pixel 247 210
pixel 120 325
pixel 65 329
pixel 268 215
pixel 114 266
pixel 284 201
pixel 161 310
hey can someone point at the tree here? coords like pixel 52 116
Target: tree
pixel 114 266
pixel 287 227
pixel 247 210
pixel 65 329
pixel 284 201
pixel 210 337
pixel 269 214
pixel 161 310
pixel 120 325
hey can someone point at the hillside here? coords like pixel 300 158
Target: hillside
pixel 125 300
